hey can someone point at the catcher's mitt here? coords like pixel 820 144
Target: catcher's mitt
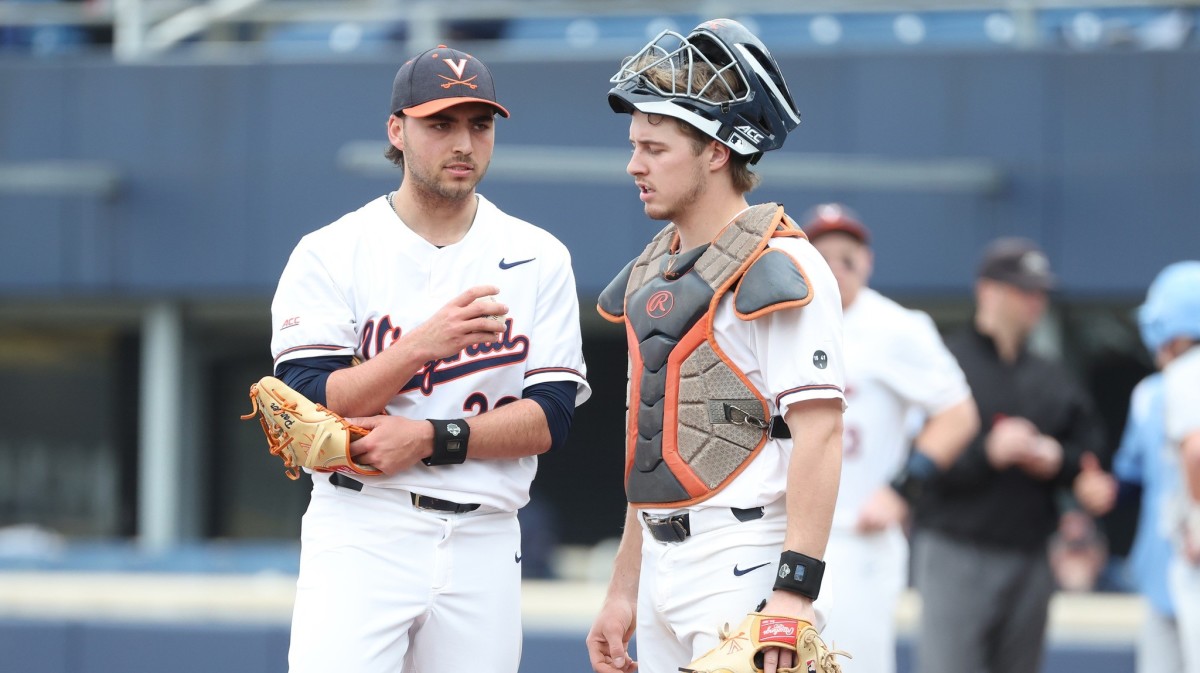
pixel 741 650
pixel 303 433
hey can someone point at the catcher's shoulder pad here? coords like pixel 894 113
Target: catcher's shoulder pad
pixel 611 304
pixel 773 281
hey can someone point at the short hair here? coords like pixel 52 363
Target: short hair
pixel 669 78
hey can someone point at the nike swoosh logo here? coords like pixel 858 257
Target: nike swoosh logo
pixel 516 557
pixel 509 265
pixel 739 572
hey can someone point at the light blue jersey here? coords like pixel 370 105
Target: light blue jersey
pixel 1141 459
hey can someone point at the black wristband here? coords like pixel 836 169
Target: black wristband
pixel 449 442
pixel 917 471
pixel 799 574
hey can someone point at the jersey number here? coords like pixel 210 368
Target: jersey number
pixel 478 402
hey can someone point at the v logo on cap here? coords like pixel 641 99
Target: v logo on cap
pixel 457 66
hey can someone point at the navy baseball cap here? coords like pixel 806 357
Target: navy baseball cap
pixel 1018 262
pixel 440 78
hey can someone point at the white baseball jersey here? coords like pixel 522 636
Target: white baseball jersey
pixel 362 282
pixel 895 362
pixel 1181 379
pixel 788 356
pixel 1181 411
pixel 896 365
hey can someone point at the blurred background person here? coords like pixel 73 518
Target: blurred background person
pixel 1170 323
pixel 1143 477
pixel 1078 552
pixel 980 556
pixel 896 363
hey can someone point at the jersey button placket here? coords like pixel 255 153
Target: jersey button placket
pixel 445 276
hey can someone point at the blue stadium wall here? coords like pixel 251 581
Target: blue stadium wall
pixel 98 646
pixel 222 167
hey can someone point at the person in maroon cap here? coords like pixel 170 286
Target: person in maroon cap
pixel 983 526
pixel 897 367
pixel 466 323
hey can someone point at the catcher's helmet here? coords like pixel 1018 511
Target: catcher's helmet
pixel 744 104
pixel 1172 307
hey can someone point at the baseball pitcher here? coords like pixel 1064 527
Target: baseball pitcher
pixel 465 320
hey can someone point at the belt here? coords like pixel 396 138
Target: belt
pixel 419 501
pixel 678 527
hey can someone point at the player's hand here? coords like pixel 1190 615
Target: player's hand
pixel 462 322
pixel 792 605
pixel 884 509
pixel 394 444
pixel 608 640
pixel 1009 441
pixel 1095 489
pixel 1042 459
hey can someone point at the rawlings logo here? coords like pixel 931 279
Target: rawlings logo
pixel 777 631
pixel 660 304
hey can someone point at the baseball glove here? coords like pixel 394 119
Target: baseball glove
pixel 741 650
pixel 303 433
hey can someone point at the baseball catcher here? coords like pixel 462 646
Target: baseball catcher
pixel 303 433
pixel 741 650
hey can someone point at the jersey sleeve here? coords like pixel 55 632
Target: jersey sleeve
pixel 556 343
pixel 1136 440
pixel 310 314
pixel 920 369
pixel 800 349
pixel 1182 396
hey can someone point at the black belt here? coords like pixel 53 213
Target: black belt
pixel 419 501
pixel 678 527
pixel 437 504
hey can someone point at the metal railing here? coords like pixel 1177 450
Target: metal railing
pixel 145 28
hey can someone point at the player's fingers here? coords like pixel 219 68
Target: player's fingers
pixel 616 646
pixel 1088 462
pixel 473 293
pixel 771 660
pixel 365 422
pixel 600 654
pixel 485 329
pixel 491 307
pixel 617 654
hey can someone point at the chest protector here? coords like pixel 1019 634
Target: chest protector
pixel 694 421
